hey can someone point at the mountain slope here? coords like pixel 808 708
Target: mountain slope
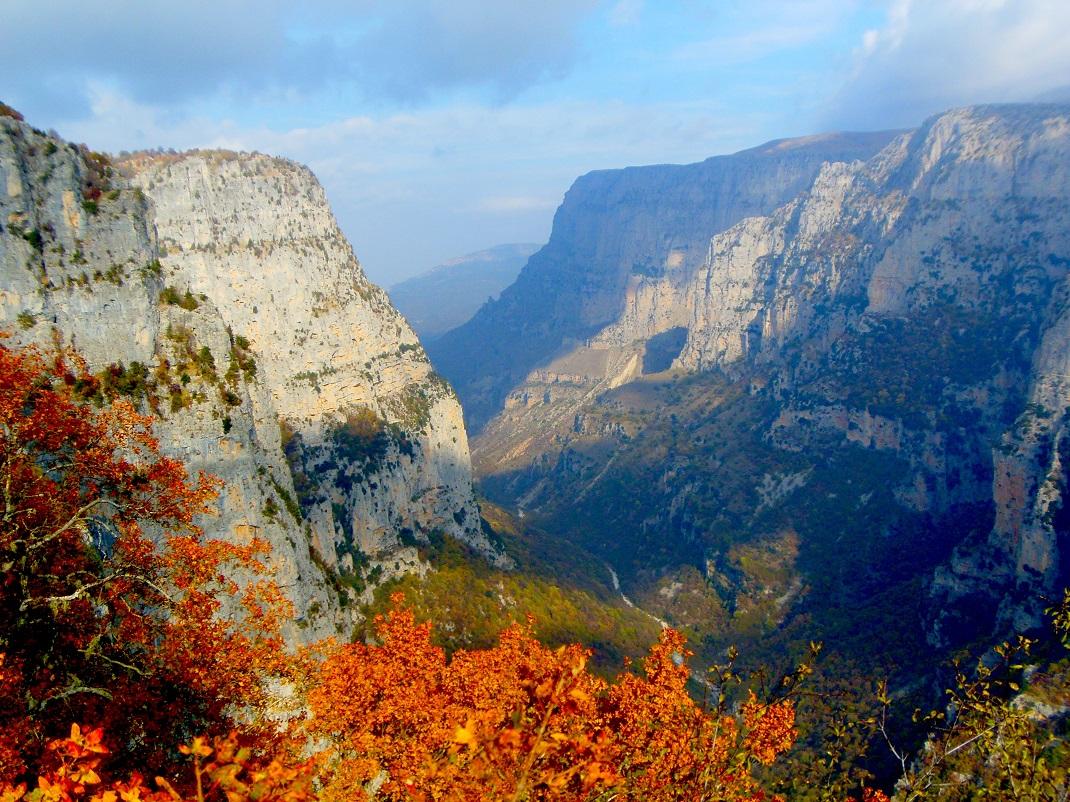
pixel 216 290
pixel 448 295
pixel 851 414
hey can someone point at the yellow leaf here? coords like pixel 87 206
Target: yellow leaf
pixel 465 734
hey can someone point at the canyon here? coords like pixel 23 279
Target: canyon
pixel 803 389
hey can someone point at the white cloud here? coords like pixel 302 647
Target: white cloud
pixel 750 45
pixel 751 31
pixel 174 52
pixel 930 56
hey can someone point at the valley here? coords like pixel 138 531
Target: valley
pixel 833 408
pixel 814 392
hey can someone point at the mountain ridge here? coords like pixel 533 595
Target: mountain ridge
pixel 880 353
pixel 573 285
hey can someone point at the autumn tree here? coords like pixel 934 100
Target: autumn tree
pixel 122 679
pixel 109 591
pixel 523 722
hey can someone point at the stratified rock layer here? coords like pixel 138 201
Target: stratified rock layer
pixel 615 229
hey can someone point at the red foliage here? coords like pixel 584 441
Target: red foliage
pixel 110 605
pixel 99 621
pixel 223 771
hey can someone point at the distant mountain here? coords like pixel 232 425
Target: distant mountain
pixel 614 228
pixel 448 295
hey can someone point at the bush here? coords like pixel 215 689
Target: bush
pixel 7 111
pixel 171 297
pixel 33 236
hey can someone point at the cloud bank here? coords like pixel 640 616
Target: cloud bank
pixel 441 127
pixel 935 54
pixel 51 54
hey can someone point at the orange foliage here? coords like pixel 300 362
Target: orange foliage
pixel 521 721
pixel 870 795
pixel 99 621
pixel 223 771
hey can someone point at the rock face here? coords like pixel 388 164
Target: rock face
pixel 216 290
pixel 614 230
pixel 881 360
pixel 448 295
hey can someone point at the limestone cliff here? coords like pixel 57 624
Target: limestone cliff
pixel 615 229
pixel 216 290
pixel 880 361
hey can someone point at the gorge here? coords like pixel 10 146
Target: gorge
pixel 803 389
pixel 818 390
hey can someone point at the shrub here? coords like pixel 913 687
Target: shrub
pixel 241 361
pixel 7 111
pixel 205 363
pixel 33 236
pixel 229 397
pixel 171 297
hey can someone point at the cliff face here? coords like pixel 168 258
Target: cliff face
pixel 964 220
pixel 614 229
pixel 881 361
pixel 216 290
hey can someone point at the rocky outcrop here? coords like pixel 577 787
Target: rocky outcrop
pixel 216 290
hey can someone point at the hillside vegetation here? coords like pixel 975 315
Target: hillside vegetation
pixel 120 680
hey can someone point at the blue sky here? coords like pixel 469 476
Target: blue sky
pixel 440 127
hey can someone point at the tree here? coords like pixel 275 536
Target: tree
pixel 523 722
pixel 108 589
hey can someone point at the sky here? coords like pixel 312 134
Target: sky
pixel 442 127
